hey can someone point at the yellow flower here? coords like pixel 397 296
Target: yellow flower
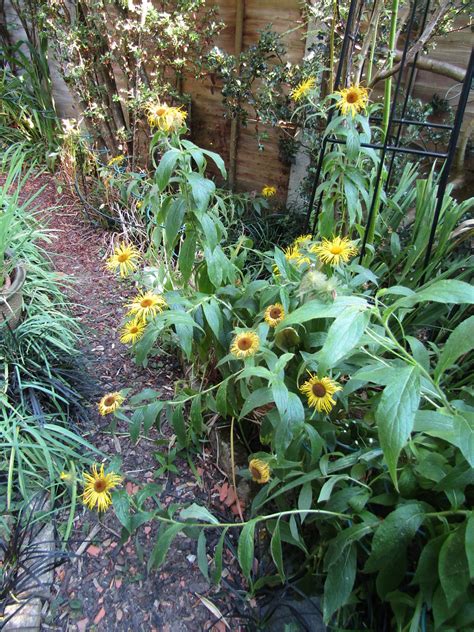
pixel 302 240
pixel 66 476
pixel 124 258
pixel 334 251
pixel 352 100
pixel 274 314
pixel 260 471
pixel 294 255
pixel 132 331
pixel 117 160
pixel 110 403
pixel 147 305
pixel 245 344
pixel 302 89
pixel 166 118
pixel 268 192
pixel 319 392
pixel 96 488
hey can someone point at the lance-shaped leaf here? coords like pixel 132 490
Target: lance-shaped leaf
pixel 395 413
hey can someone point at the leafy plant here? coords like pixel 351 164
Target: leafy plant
pixel 370 481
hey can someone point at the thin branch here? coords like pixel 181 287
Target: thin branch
pixel 419 44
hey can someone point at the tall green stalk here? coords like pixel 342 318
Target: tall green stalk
pixel 385 114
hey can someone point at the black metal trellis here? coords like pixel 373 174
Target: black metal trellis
pixel 391 142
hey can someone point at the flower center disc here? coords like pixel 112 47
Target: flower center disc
pixel 319 390
pixel 244 344
pixel 100 486
pixel 255 473
pixel 351 97
pixel 123 257
pixel 108 401
pixel 336 250
pixel 133 330
pixel 275 313
pixel 147 302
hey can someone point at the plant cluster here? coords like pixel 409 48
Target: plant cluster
pixel 28 116
pixel 41 388
pixel 117 58
pixel 349 392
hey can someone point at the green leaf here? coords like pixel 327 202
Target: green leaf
pixel 305 499
pixel 209 230
pixel 318 309
pixel 426 575
pixel 394 535
pixel 395 413
pixel 343 335
pixel 260 397
pixel 460 341
pixel 165 168
pixel 245 548
pixel 470 545
pixel 456 429
pixel 339 582
pixel 196 512
pixel 196 415
pixel 135 425
pixel 187 254
pixel 217 161
pixel 221 399
pixel 448 291
pixel 173 222
pixel 202 555
pixel 326 489
pixel 452 566
pixel 164 539
pixel 201 188
pixel 213 316
pixel 217 573
pixel 276 551
pixel 179 425
pixel 121 503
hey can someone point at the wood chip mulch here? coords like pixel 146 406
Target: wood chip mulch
pixel 107 586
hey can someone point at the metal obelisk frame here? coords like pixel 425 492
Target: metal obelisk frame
pixel 391 143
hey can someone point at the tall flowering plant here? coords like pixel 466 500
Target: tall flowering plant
pixel 359 432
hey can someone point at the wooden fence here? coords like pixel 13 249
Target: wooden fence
pixel 252 169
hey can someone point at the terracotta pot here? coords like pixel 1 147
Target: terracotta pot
pixel 11 297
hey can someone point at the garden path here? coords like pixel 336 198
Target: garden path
pixel 107 587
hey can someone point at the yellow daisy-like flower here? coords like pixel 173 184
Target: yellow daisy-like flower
pixel 125 259
pixel 352 100
pixel 147 305
pixel 302 89
pixel 110 403
pixel 294 255
pixel 117 160
pixel 260 471
pixel 302 240
pixel 268 192
pixel 166 118
pixel 66 476
pixel 319 392
pixel 245 344
pixel 97 486
pixel 274 314
pixel 334 251
pixel 132 331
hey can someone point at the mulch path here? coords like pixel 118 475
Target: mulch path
pixel 107 587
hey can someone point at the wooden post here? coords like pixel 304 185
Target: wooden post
pixel 234 126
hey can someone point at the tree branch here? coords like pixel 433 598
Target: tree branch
pixel 426 63
pixel 419 44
